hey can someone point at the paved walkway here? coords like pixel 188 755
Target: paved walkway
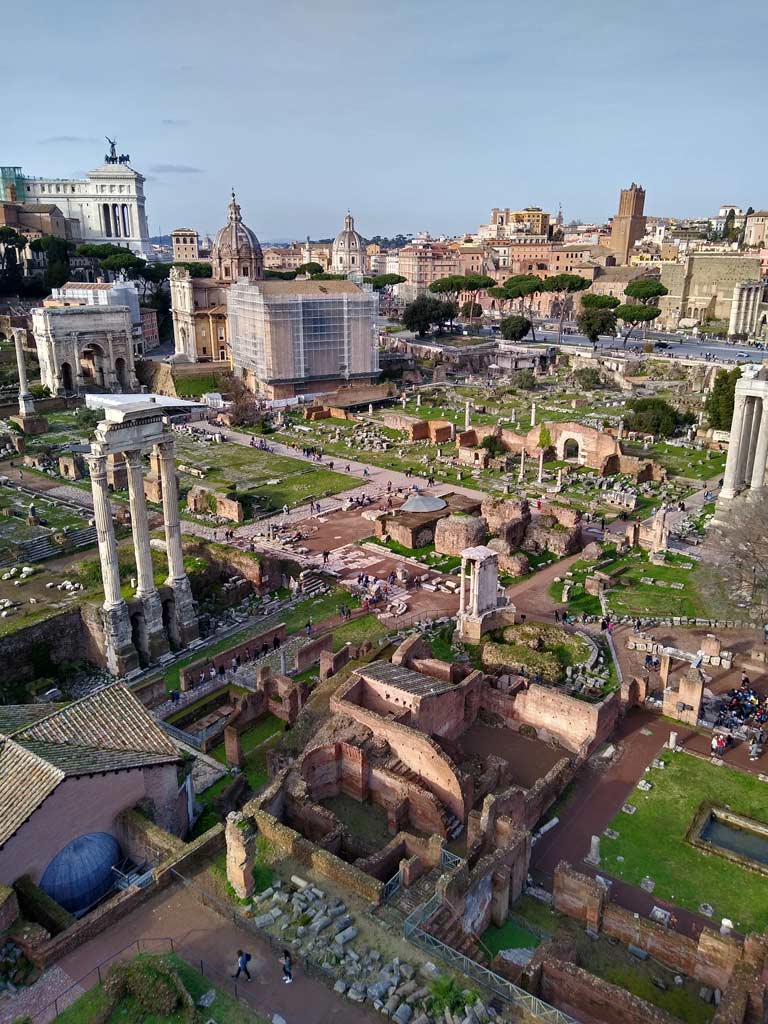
pixel 199 934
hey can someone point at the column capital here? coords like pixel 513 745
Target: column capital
pixel 97 464
pixel 133 457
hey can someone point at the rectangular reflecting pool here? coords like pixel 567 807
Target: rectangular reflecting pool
pixel 733 836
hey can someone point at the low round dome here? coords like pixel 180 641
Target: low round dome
pixel 81 874
pixel 423 503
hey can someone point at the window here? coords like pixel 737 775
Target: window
pixel 205 351
pixel 226 271
pixel 245 271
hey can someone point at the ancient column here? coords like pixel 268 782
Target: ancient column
pixel 746 436
pixel 757 478
pixel 26 402
pixel 418 400
pixel 732 463
pixel 156 641
pixel 462 585
pixel 120 653
pixel 754 437
pixel 467 417
pixel 521 476
pixel 541 466
pixel 533 414
pixel 186 620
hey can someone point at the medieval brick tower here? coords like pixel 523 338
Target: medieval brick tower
pixel 628 225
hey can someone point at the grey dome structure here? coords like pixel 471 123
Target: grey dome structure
pixel 81 873
pixel 348 252
pixel 423 503
pixel 236 251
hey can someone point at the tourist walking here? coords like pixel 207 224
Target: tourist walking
pixel 287 964
pixel 243 959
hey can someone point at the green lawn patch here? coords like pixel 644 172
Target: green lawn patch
pixel 367 627
pixel 509 936
pixel 224 1009
pixel 652 841
pixel 264 729
pixel 195 387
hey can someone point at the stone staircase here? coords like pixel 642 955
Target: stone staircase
pixel 312 583
pixel 40 548
pixel 405 901
pixel 445 927
pixel 396 766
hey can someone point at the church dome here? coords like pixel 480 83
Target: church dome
pixel 236 250
pixel 348 249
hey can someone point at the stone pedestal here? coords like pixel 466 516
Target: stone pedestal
pixel 593 857
pixel 122 656
pixel 241 850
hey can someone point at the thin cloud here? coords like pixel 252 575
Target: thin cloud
pixel 176 122
pixel 67 139
pixel 175 169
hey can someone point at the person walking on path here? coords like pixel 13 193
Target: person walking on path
pixel 243 960
pixel 287 964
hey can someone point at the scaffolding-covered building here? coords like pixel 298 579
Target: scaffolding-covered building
pixel 298 337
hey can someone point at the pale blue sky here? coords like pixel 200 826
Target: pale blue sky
pixel 417 115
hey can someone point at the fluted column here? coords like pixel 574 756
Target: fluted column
pixel 105 531
pixel 757 481
pixel 140 524
pixel 732 463
pixel 757 416
pixel 462 586
pixel 171 512
pixel 746 436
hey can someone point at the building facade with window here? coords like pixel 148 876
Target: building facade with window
pixel 108 206
pixel 302 337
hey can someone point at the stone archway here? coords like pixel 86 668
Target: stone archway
pixel 139 636
pixel 570 449
pixel 92 365
pixel 67 380
pixel 121 373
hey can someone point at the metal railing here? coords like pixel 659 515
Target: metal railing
pixel 391 887
pixel 449 860
pixel 501 987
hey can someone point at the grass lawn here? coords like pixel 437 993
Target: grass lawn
pixel 224 1009
pixel 679 461
pixel 652 841
pixel 252 738
pixel 631 597
pixel 615 964
pixel 269 480
pixel 194 387
pixel 367 627
pixel 509 936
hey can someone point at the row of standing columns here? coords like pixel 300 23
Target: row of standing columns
pixel 118 629
pixel 748 446
pixel 468 607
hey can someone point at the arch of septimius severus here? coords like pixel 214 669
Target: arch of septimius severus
pixel 143 628
pixel 748 445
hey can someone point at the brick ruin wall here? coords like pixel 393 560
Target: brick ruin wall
pixel 69 636
pixel 575 724
pixel 189 676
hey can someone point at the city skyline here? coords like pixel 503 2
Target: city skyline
pixel 440 125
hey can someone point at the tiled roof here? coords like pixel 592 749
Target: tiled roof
pixel 14 716
pixel 41 745
pixel 405 679
pixel 25 781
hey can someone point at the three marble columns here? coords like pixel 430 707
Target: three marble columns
pixel 141 635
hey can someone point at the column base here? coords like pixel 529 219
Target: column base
pixel 122 657
pixel 157 640
pixel 187 627
pixel 31 423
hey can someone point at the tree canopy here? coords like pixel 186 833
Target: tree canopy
pixel 564 286
pixel 644 290
pixel 594 321
pixel 655 416
pixel 381 281
pixel 310 268
pixel 451 286
pixel 197 269
pixel 469 310
pixel 592 301
pixel 424 311
pixel 720 400
pixel 515 328
pixel 634 314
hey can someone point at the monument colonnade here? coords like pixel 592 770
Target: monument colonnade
pixel 748 444
pixel 134 636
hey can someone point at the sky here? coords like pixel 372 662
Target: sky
pixel 417 115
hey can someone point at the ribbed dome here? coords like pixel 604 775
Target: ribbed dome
pixel 81 874
pixel 349 248
pixel 235 248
